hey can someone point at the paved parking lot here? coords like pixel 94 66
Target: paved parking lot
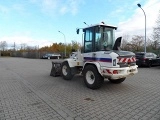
pixel 28 92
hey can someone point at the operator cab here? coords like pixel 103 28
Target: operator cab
pixel 100 37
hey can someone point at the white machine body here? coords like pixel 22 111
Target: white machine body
pixel 101 58
pixel 108 63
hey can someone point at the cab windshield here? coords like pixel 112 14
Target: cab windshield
pixel 104 38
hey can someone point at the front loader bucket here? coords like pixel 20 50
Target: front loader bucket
pixel 56 69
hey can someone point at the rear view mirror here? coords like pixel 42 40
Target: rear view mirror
pixel 77 31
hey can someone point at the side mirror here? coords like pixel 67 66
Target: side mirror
pixel 77 31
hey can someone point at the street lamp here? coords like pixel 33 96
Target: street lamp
pixel 139 5
pixel 65 43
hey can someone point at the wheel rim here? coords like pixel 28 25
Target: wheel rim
pixel 64 70
pixel 90 77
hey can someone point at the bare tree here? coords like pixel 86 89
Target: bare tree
pixel 156 33
pixel 137 43
pixel 125 42
pixel 3 45
pixel 23 46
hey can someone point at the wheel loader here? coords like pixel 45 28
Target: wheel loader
pixel 101 58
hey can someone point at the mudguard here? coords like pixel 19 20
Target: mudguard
pixel 96 64
pixel 74 64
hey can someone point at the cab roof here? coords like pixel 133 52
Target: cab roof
pixel 101 24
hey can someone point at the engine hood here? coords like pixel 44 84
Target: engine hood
pixel 124 53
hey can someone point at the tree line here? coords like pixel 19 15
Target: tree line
pixel 25 49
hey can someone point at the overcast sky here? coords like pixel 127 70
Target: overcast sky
pixel 37 22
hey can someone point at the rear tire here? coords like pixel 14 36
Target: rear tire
pixel 149 64
pixel 92 78
pixel 117 81
pixel 66 71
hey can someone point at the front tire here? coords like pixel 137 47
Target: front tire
pixel 149 64
pixel 66 71
pixel 92 78
pixel 117 81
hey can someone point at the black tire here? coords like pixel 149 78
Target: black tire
pixel 66 71
pixel 149 64
pixel 92 78
pixel 117 81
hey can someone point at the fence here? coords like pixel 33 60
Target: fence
pixel 30 54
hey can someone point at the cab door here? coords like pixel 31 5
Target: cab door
pixel 88 40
